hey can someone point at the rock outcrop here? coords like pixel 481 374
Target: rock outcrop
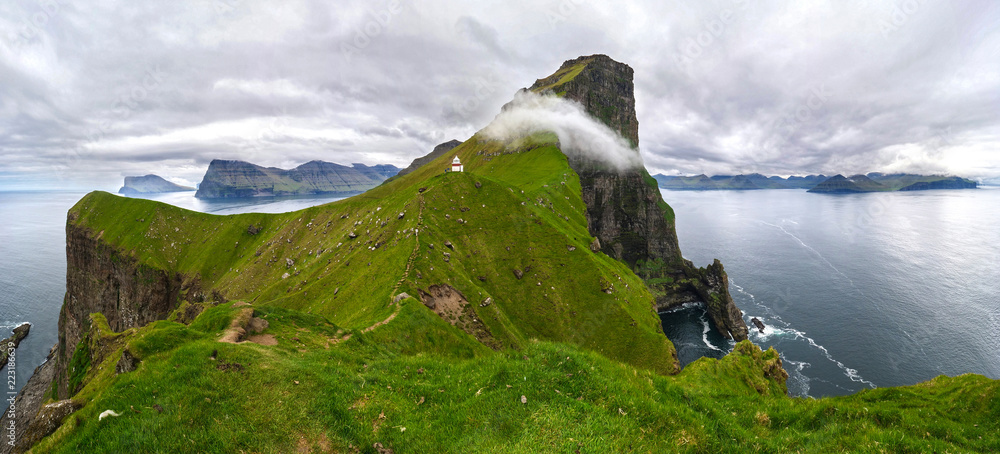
pixel 238 179
pixel 150 184
pixel 625 210
pixel 13 341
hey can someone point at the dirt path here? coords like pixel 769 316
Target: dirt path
pixel 409 267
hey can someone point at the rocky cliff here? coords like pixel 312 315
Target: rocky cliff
pixel 625 210
pixel 238 179
pixel 150 184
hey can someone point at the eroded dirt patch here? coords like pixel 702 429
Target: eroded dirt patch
pixel 263 339
pixel 453 307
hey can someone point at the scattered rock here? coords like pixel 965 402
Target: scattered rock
pixel 421 189
pixel 478 185
pixel 286 276
pixel 400 297
pixel 759 324
pixel 381 449
pixel 518 274
pixel 481 278
pixel 524 400
pixel 253 229
pixel 595 245
pixel 127 363
pixel 352 235
pixel 289 263
pixel 257 325
pixel 486 302
pixel 571 248
pixel 401 214
pixel 448 245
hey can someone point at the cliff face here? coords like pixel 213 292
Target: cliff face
pixel 625 210
pixel 238 179
pixel 150 184
pixel 100 278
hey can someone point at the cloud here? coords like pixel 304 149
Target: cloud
pixel 580 135
pixel 722 86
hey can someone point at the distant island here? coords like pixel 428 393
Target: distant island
pixel 838 184
pixel 238 179
pixel 879 182
pixel 736 182
pixel 150 184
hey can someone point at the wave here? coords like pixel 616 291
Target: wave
pixel 787 331
pixel 682 307
pixel 705 328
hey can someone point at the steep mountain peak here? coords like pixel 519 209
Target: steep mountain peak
pixel 603 86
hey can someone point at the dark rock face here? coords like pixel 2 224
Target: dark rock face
pixel 604 87
pixel 625 211
pixel 150 184
pixel 27 403
pixel 102 279
pixel 238 179
pixel 434 154
pixel 48 419
pixel 13 341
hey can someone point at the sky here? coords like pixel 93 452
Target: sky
pixel 92 91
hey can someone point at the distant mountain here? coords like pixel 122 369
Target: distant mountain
pixel 736 182
pixel 434 154
pixel 876 182
pixel 236 179
pixel 150 184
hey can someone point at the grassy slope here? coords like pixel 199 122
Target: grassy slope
pixel 526 214
pixel 307 394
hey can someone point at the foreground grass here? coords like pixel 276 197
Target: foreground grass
pixel 316 392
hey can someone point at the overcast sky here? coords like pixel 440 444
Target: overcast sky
pixel 91 91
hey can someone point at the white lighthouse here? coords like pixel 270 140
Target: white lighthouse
pixel 456 165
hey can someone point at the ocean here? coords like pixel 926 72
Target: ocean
pixel 857 291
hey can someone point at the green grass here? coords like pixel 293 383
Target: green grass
pixel 309 395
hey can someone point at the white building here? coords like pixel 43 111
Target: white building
pixel 456 165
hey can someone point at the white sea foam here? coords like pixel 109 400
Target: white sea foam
pixel 705 328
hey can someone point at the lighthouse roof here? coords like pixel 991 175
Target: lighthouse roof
pixel 456 161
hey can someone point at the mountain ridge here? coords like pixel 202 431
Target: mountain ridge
pixel 241 179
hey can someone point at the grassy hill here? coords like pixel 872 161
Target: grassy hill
pixel 415 385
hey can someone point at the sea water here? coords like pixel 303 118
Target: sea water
pixel 856 291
